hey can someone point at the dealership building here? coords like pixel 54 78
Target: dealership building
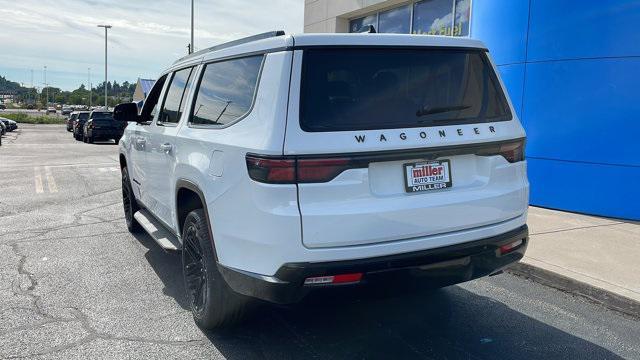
pixel 572 69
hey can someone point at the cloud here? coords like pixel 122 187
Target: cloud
pixel 147 35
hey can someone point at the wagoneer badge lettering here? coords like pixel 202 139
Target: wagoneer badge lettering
pixel 423 134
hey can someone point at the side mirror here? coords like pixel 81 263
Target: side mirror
pixel 126 112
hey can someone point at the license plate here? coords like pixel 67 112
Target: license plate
pixel 428 175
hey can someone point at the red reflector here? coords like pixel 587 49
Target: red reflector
pixel 335 279
pixel 347 278
pixel 504 249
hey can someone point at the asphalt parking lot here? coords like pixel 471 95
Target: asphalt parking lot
pixel 75 284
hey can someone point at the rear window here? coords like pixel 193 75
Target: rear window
pixel 383 88
pixel 83 116
pixel 102 116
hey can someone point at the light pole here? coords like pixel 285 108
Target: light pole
pixel 89 86
pixel 106 28
pixel 191 48
pixel 45 84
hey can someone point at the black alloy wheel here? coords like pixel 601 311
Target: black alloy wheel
pixel 213 303
pixel 129 203
pixel 195 274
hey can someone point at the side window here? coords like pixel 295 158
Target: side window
pixel 226 91
pixel 152 103
pixel 174 102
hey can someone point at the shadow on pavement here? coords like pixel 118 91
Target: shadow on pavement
pixel 450 323
pixel 168 267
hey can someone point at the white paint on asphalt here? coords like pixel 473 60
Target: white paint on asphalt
pixel 53 188
pixel 38 180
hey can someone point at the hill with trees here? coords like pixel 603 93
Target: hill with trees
pixel 117 93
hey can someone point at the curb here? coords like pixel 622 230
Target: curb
pixel 603 297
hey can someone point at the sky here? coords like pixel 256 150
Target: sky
pixel 147 35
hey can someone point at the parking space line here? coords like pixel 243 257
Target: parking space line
pixel 53 188
pixel 38 180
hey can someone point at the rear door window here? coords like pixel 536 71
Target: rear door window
pixel 226 91
pixel 174 102
pixel 386 88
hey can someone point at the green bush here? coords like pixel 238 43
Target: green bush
pixel 38 119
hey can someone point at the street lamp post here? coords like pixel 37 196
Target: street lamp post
pixel 45 84
pixel 89 86
pixel 106 28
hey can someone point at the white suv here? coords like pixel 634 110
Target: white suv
pixel 286 164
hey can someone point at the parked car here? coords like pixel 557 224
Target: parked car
pixel 78 125
pixel 72 117
pixel 51 110
pixel 3 107
pixel 9 124
pixel 359 160
pixel 66 110
pixel 101 126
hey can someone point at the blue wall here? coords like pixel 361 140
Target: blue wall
pixel 572 69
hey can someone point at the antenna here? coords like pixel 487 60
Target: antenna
pixel 369 29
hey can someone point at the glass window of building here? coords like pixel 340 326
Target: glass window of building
pixel 463 13
pixel 433 17
pixel 395 21
pixel 357 25
pixel 430 17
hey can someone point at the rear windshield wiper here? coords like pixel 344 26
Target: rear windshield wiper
pixel 437 110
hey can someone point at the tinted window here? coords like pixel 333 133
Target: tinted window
pixel 83 116
pixel 173 102
pixel 397 21
pixel 362 89
pixel 226 91
pixel 102 116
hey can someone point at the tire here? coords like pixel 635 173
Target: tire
pixel 213 303
pixel 129 204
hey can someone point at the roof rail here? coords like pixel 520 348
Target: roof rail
pixel 229 44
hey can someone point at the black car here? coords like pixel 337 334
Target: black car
pixel 71 119
pixel 10 125
pixel 101 126
pixel 78 125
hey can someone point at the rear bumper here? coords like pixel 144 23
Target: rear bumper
pixel 106 133
pixel 435 267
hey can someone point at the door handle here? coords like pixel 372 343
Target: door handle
pixel 166 147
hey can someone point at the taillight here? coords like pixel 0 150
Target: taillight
pixel 272 170
pixel 512 151
pixel 291 170
pixel 320 170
